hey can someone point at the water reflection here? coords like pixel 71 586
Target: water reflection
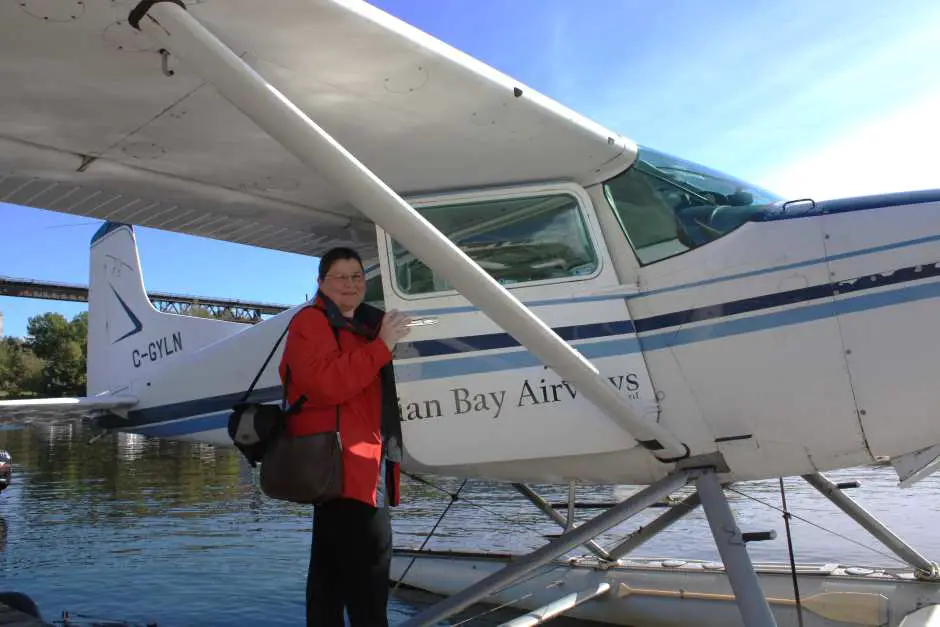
pixel 174 533
pixel 130 446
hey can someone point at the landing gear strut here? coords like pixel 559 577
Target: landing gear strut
pixel 730 541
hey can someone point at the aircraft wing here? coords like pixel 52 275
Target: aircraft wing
pixel 95 121
pixel 60 409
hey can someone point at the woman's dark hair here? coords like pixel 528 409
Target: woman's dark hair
pixel 333 255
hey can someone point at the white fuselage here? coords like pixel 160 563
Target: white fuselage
pixel 783 338
pixel 790 345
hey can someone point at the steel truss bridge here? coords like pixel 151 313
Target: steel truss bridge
pixel 221 308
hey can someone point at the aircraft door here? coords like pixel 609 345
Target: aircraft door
pixel 469 393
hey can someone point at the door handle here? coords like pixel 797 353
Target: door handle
pixel 423 322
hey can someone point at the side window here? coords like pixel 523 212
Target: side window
pixel 668 205
pixel 374 295
pixel 516 240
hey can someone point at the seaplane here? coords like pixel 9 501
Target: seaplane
pixel 587 310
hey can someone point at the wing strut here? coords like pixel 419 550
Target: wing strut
pixel 173 27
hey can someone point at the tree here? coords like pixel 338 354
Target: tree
pixel 197 311
pixel 62 346
pixel 80 332
pixel 52 361
pixel 21 372
pixel 31 372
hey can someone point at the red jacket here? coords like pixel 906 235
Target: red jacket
pixel 347 376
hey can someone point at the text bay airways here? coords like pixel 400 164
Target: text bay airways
pixel 164 347
pixel 464 401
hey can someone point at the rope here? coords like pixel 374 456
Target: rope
pixel 796 584
pixel 453 499
pixel 452 496
pixel 809 522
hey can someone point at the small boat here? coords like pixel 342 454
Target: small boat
pixel 6 470
pixel 674 592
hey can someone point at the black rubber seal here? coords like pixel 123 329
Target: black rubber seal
pixel 139 11
pixel 734 438
pixel 670 460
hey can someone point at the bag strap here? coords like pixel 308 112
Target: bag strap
pixel 297 404
pixel 271 354
pixel 300 401
pixel 338 438
pixel 265 364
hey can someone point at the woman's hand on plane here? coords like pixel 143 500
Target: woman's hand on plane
pixel 394 327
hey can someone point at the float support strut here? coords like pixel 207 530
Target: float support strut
pixel 925 568
pixel 753 605
pixel 521 567
pixel 558 607
pixel 547 509
pixel 646 533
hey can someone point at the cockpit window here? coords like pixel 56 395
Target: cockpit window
pixel 668 205
pixel 516 240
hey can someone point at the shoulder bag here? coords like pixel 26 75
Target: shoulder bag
pixel 304 469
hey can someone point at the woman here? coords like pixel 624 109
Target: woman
pixel 339 354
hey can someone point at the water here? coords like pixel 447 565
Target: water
pixel 149 530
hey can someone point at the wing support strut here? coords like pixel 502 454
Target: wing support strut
pixel 174 28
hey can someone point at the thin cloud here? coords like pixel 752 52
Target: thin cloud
pixel 894 153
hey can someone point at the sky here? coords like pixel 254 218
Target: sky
pixel 806 98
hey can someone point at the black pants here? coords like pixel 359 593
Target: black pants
pixel 349 565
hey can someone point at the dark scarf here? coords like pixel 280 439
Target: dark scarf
pixel 366 322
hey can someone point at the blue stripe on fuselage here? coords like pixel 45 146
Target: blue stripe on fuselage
pixel 204 405
pixel 655 332
pixel 429 348
pixel 651 341
pixel 808 209
pixel 186 426
pixel 701 283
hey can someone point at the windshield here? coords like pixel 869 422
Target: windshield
pixel 721 188
pixel 669 205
